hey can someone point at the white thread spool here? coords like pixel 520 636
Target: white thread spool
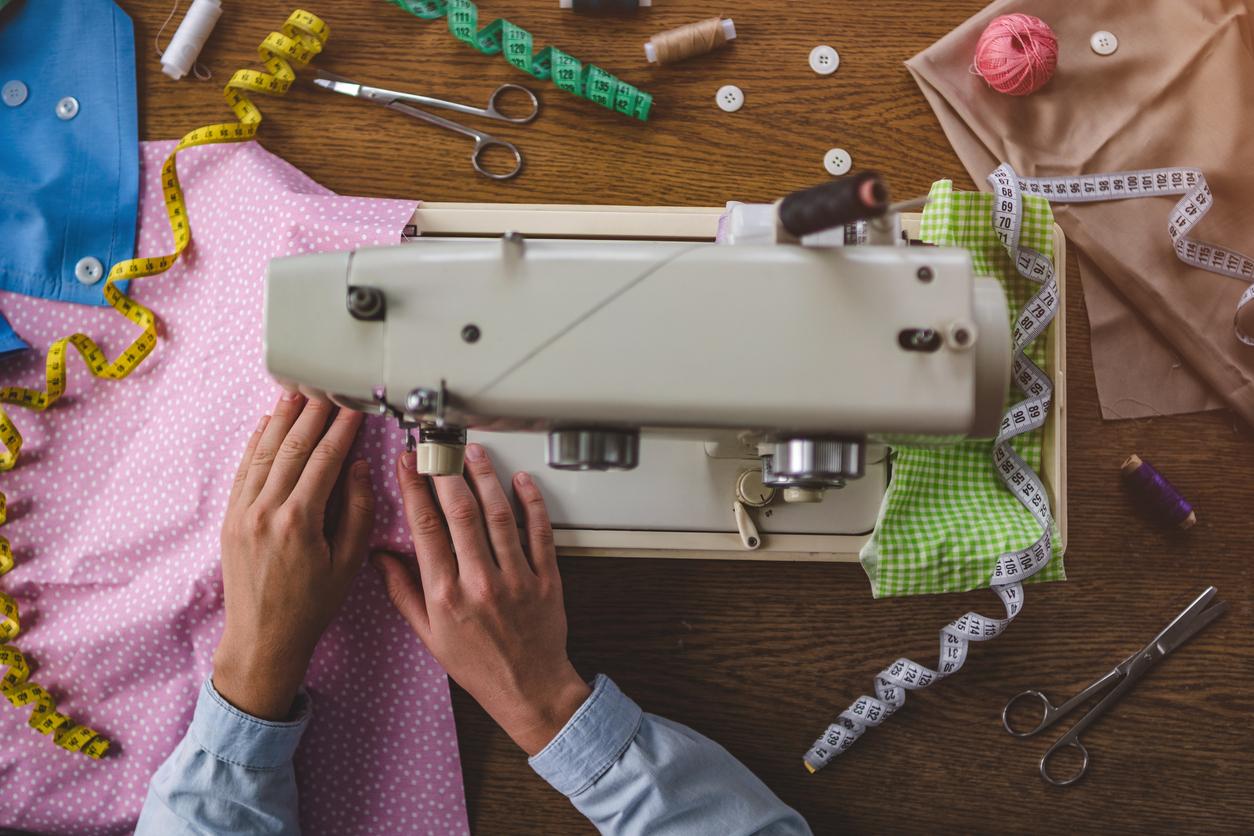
pixel 190 38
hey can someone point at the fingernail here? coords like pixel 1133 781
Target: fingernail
pixel 474 452
pixel 524 479
pixel 291 396
pixel 409 460
pixel 261 425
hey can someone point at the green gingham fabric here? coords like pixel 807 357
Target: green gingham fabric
pixel 946 516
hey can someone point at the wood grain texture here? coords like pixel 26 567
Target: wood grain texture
pixel 762 657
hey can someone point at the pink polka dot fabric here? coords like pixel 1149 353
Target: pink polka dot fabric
pixel 115 511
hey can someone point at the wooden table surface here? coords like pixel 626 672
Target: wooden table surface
pixel 762 657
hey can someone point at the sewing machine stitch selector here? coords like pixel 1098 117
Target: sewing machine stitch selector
pixel 752 491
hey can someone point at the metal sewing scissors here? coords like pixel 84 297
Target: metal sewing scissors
pixel 404 102
pixel 1192 620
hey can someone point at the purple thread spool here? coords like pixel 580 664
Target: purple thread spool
pixel 1160 496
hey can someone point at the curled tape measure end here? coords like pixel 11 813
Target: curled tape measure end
pixel 1012 568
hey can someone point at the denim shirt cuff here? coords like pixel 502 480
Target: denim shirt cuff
pixel 591 741
pixel 233 736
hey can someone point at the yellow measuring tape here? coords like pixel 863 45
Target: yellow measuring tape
pixel 301 38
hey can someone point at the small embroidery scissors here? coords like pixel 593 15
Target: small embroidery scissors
pixel 404 102
pixel 1192 620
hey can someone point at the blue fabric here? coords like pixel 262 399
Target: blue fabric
pixel 9 340
pixel 231 774
pixel 629 772
pixel 69 188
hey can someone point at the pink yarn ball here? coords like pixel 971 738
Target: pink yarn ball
pixel 1017 54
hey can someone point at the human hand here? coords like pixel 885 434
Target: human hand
pixel 292 540
pixel 487 608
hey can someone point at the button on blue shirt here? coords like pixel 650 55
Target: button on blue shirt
pixel 69 148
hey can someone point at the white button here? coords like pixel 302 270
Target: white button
pixel 730 98
pixel 13 93
pixel 824 60
pixel 1103 42
pixel 67 108
pixel 837 161
pixel 89 270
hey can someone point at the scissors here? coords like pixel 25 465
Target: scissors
pixel 404 103
pixel 1192 620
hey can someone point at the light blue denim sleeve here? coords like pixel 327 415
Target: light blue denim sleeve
pixel 635 773
pixel 231 774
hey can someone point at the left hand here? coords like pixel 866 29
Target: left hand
pixel 291 544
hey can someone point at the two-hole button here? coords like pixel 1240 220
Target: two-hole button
pixel 89 270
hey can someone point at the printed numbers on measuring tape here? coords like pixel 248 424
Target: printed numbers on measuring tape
pixel 1012 567
pixel 517 46
pixel 300 40
pixel 1186 214
pixel 1008 188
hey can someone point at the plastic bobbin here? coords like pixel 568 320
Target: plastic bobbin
pixel 730 98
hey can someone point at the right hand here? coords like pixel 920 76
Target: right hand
pixel 487 607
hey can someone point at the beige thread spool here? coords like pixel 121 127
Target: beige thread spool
pixel 689 40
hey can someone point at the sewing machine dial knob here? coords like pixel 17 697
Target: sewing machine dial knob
pixel 752 491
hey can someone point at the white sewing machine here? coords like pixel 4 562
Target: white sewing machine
pixel 746 391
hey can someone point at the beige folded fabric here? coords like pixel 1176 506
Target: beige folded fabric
pixel 1178 91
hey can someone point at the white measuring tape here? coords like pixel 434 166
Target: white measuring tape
pixel 1012 568
pixel 1186 214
